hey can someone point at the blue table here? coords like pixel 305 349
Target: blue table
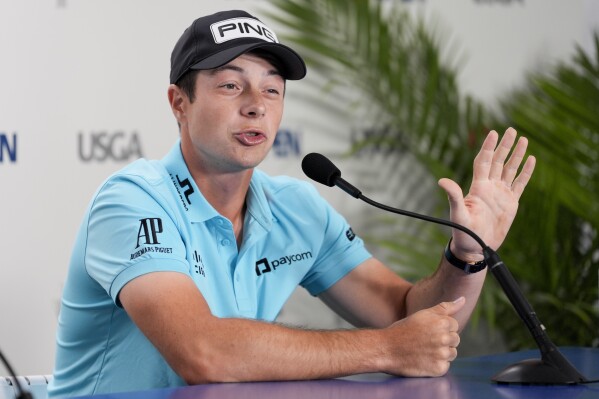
pixel 467 378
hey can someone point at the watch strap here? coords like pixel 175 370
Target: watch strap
pixel 468 268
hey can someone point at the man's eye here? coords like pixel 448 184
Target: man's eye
pixel 230 86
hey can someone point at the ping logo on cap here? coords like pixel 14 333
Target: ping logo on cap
pixel 238 28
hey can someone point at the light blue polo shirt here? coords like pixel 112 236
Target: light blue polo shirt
pixel 150 217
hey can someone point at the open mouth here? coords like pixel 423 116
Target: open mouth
pixel 250 138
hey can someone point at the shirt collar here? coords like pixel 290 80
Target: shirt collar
pixel 257 202
pixel 197 208
pixel 191 200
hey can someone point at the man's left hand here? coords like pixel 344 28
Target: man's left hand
pixel 491 204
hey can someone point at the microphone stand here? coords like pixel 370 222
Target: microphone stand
pixel 552 368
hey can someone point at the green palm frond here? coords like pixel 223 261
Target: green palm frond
pixel 425 128
pixel 559 113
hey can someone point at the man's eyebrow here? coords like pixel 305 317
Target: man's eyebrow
pixel 224 68
pixel 235 68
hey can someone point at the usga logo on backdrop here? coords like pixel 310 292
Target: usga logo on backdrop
pixel 101 146
pixel 8 147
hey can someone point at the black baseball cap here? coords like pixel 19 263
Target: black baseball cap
pixel 214 40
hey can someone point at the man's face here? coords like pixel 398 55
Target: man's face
pixel 234 119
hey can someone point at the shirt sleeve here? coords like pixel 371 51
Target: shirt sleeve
pixel 131 231
pixel 341 250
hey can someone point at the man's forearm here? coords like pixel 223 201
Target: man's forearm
pixel 421 345
pixel 203 348
pixel 447 284
pixel 235 350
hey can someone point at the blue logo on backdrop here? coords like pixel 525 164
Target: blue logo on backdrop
pixel 116 146
pixel 8 147
pixel 287 144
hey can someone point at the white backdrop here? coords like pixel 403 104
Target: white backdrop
pixel 83 92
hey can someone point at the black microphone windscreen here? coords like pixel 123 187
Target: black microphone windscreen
pixel 319 168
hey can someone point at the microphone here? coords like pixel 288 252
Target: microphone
pixel 319 168
pixel 553 368
pixel 21 394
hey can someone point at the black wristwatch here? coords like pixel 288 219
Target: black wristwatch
pixel 468 268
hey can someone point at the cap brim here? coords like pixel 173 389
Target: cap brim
pixel 293 65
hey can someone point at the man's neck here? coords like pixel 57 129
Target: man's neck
pixel 226 192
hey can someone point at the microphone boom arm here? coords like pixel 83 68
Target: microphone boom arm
pixel 553 367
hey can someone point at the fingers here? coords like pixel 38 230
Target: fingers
pixel 425 343
pixel 448 324
pixel 449 337
pixel 455 341
pixel 484 159
pixel 522 180
pixel 453 354
pixel 501 153
pixel 490 163
pixel 509 171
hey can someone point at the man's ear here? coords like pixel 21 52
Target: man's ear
pixel 178 100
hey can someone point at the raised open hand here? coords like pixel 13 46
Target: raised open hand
pixel 492 202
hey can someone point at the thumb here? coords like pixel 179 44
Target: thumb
pixel 449 308
pixel 454 193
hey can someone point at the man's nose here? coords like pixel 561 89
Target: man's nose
pixel 254 105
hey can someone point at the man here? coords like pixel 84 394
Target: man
pixel 171 281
